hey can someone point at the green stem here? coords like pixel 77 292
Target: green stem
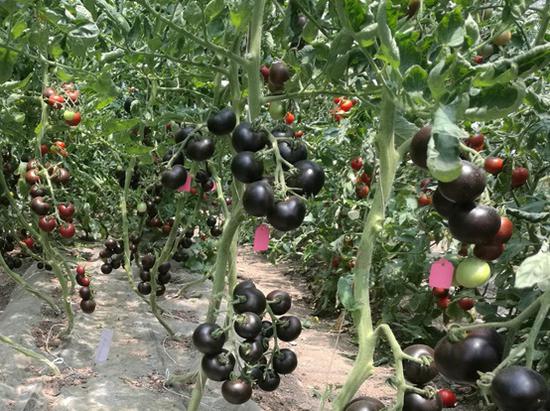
pixel 253 60
pixel 389 160
pixel 545 13
pixel 535 329
pixel 29 353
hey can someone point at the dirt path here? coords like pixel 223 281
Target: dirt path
pixel 324 358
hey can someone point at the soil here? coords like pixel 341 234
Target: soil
pixel 141 358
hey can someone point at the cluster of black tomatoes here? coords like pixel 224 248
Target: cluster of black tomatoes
pixel 306 178
pixel 112 255
pixel 468 222
pixel 163 275
pixel 262 365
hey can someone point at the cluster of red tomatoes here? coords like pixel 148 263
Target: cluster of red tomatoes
pixel 68 103
pixel 362 180
pixel 342 106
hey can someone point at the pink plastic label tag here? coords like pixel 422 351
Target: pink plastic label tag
pixel 261 238
pixel 441 274
pixel 187 185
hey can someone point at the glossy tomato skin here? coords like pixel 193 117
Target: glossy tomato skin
pixel 519 388
pixel 244 138
pixel 246 168
pixel 205 339
pixel 278 73
pixel 467 187
pixel 288 328
pixel 292 151
pixel 418 373
pixel 269 381
pixel 448 398
pixel 419 146
pixel 248 325
pixel 223 122
pixel 200 149
pixel 88 306
pixel 488 252
pixel 236 391
pixel 285 361
pixel 287 215
pixel 480 351
pixel 416 402
pixel 258 198
pixel 254 300
pixel 364 404
pixel 218 367
pixel 279 302
pixel 505 231
pixel 443 205
pixel 474 224
pixel 183 133
pixel 493 165
pixel 310 177
pixel 251 350
pixel 174 178
pixel 519 176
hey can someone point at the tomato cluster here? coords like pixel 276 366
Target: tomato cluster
pixel 69 102
pixel 260 365
pixel 87 304
pixel 342 106
pixel 362 180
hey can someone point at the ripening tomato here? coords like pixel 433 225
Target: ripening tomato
pixel 44 149
pixel 476 142
pixel 443 302
pixel 73 95
pixel 55 101
pixel 60 144
pixel 466 303
pixel 355 101
pixel 48 92
pixel 440 292
pixel 424 200
pixel 362 191
pixel 357 163
pixel 478 59
pixel 28 241
pixel 519 176
pixel 289 118
pixel 364 178
pixel 80 270
pixel 75 120
pixel 298 134
pixel 494 165
pixel 346 105
pixel 337 100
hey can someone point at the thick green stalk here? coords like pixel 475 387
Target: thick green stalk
pixel 29 353
pixel 545 13
pixel 374 219
pixel 253 60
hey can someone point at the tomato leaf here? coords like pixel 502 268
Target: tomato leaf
pixel 495 102
pixel 451 30
pixel 345 292
pixel 388 46
pixel 534 270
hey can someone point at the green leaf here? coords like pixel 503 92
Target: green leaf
pixel 17 85
pixel 114 15
pixel 18 29
pixel 356 13
pixel 404 129
pixel 7 61
pixel 534 270
pixel 472 29
pixel 443 148
pixel 104 103
pixel 450 30
pixel 345 292
pixel 495 102
pixel 436 80
pixel 213 8
pixel 416 79
pixel 120 125
pixel 389 49
pixel 104 85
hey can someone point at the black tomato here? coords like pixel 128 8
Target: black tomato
pixel 278 73
pixel 474 224
pixel 200 149
pixel 174 178
pixel 87 306
pixel 246 168
pixel 419 146
pixel 251 300
pixel 148 261
pixel 223 122
pixel 106 268
pixel 416 402
pixel 287 215
pixel 236 391
pixel 164 267
pixel 467 187
pixel 288 328
pixel 244 138
pixel 364 404
pixel 292 151
pixel 144 288
pixel 269 380
pixel 480 351
pixel 418 373
pixel 519 388
pixel 443 205
pixel 258 198
pixel 251 350
pixel 218 367
pixel 209 338
pixel 248 325
pixel 310 177
pixel 285 361
pixel 279 301
pixel 183 133
pixel 85 293
pixel 180 158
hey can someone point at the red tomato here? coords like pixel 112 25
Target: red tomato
pixel 67 230
pixel 75 120
pixel 80 270
pixel 337 100
pixel 335 261
pixel 44 149
pixel 55 101
pixel 440 292
pixel 29 242
pixel 504 233
pixel 494 165
pixel 478 59
pixel 338 118
pixel 346 105
pixel 443 302
pixel 519 176
pixel 362 191
pixel 357 163
pixel 466 303
pixel 298 133
pixel 448 398
pixel 48 92
pixel 264 70
pixel 289 118
pixel 365 178
pixel 424 200
pixel 476 141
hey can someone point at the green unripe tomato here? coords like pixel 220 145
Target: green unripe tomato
pixel 276 110
pixel 141 208
pixel 68 115
pixel 503 38
pixel 472 272
pixel 19 117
